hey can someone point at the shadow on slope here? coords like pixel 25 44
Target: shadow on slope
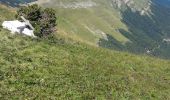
pixel 146 32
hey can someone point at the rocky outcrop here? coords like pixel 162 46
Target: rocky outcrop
pixel 76 4
pixel 121 4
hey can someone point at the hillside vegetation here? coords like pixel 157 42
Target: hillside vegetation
pixel 87 23
pixel 58 68
pixel 137 26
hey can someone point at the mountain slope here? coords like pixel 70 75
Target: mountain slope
pixel 87 21
pixel 6 13
pixel 77 71
pixel 55 68
pixel 138 26
pixel 149 31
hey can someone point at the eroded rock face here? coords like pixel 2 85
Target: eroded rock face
pixel 74 5
pixel 120 3
pixel 132 4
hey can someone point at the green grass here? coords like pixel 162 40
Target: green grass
pixel 60 68
pixel 102 17
pixel 73 22
pixel 6 13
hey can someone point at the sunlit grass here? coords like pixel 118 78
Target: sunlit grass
pixel 59 68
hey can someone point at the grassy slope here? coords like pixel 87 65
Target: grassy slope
pixel 74 22
pixel 6 13
pixel 56 68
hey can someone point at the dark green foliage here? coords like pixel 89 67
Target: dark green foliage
pixel 37 30
pixel 44 20
pixel 32 13
pixel 47 22
pixel 0 27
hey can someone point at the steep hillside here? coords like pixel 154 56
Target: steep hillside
pixel 6 13
pixel 87 20
pixel 138 26
pixel 148 31
pixel 56 68
pixel 47 69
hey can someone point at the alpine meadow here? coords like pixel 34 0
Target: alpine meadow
pixel 85 50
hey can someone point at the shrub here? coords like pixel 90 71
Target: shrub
pixel 43 20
